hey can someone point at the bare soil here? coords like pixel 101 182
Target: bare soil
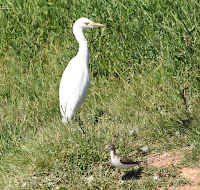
pixel 165 159
pixel 173 158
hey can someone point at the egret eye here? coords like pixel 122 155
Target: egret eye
pixel 87 23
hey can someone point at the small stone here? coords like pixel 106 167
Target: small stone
pixel 177 133
pixel 155 177
pixel 131 132
pixel 145 148
pixel 90 179
pixel 24 184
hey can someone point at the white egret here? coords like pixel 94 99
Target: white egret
pixel 75 80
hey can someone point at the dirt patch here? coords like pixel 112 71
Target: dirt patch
pixel 164 159
pixel 184 187
pixel 193 174
pixel 174 157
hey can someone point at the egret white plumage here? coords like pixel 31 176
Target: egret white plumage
pixel 75 80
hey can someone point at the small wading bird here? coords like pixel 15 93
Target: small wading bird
pixel 120 162
pixel 75 80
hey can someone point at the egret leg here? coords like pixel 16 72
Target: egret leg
pixel 80 123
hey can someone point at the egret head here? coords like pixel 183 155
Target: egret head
pixel 84 23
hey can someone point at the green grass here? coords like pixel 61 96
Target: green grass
pixel 145 76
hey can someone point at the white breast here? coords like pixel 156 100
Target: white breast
pixel 115 160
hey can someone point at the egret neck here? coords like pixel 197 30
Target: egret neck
pixel 83 45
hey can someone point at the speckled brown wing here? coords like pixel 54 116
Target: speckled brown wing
pixel 125 160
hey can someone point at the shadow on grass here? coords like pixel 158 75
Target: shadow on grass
pixel 133 174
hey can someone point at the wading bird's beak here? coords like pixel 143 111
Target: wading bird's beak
pixel 96 25
pixel 104 150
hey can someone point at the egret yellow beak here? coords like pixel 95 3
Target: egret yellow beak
pixel 96 25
